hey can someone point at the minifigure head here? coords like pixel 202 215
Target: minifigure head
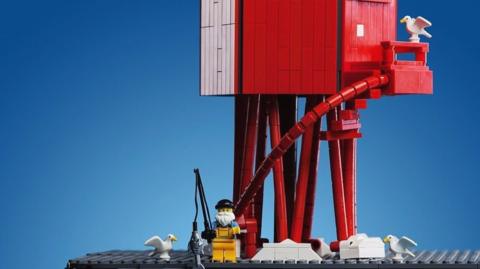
pixel 171 237
pixel 225 214
pixel 406 19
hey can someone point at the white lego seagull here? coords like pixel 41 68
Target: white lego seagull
pixel 400 247
pixel 162 247
pixel 416 27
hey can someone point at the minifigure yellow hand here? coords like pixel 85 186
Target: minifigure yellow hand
pixel 236 230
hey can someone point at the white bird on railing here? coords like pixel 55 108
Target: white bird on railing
pixel 162 247
pixel 416 27
pixel 400 247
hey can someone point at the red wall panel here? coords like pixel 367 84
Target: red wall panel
pixel 272 53
pixel 248 46
pixel 289 46
pixel 378 20
pixel 283 44
pixel 292 46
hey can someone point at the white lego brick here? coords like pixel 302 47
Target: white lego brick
pixel 286 254
pixel 308 254
pixel 287 250
pixel 210 12
pixel 362 253
pixel 202 13
pixel 214 48
pixel 219 83
pixel 227 59
pixel 209 60
pixel 224 11
pixel 224 58
pixel 232 10
pixel 202 60
pixel 218 26
pixel 360 30
pixel 205 65
pixel 217 47
pixel 203 17
pixel 218 22
pixel 213 60
pixel 287 243
pixel 219 70
pixel 361 246
pixel 228 12
pixel 264 254
pixel 231 63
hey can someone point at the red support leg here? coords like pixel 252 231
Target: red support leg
pixel 250 141
pixel 249 241
pixel 281 228
pixel 337 183
pixel 349 159
pixel 241 108
pixel 312 183
pixel 288 118
pixel 260 157
pixel 349 176
pixel 303 177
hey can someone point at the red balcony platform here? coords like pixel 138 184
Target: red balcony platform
pixel 407 76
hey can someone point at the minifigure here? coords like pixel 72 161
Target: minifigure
pixel 226 228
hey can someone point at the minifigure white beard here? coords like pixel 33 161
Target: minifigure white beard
pixel 225 218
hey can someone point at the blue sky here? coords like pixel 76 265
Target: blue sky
pixel 101 126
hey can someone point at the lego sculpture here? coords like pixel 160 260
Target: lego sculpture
pixel 267 54
pixel 337 55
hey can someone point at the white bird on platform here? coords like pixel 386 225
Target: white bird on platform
pixel 161 247
pixel 416 27
pixel 400 247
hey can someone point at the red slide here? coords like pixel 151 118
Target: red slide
pixel 296 131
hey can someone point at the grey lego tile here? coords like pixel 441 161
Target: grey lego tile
pixel 181 259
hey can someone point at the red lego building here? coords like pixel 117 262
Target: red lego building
pixel 292 46
pixel 335 53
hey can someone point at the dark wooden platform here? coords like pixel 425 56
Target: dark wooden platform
pixel 118 259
